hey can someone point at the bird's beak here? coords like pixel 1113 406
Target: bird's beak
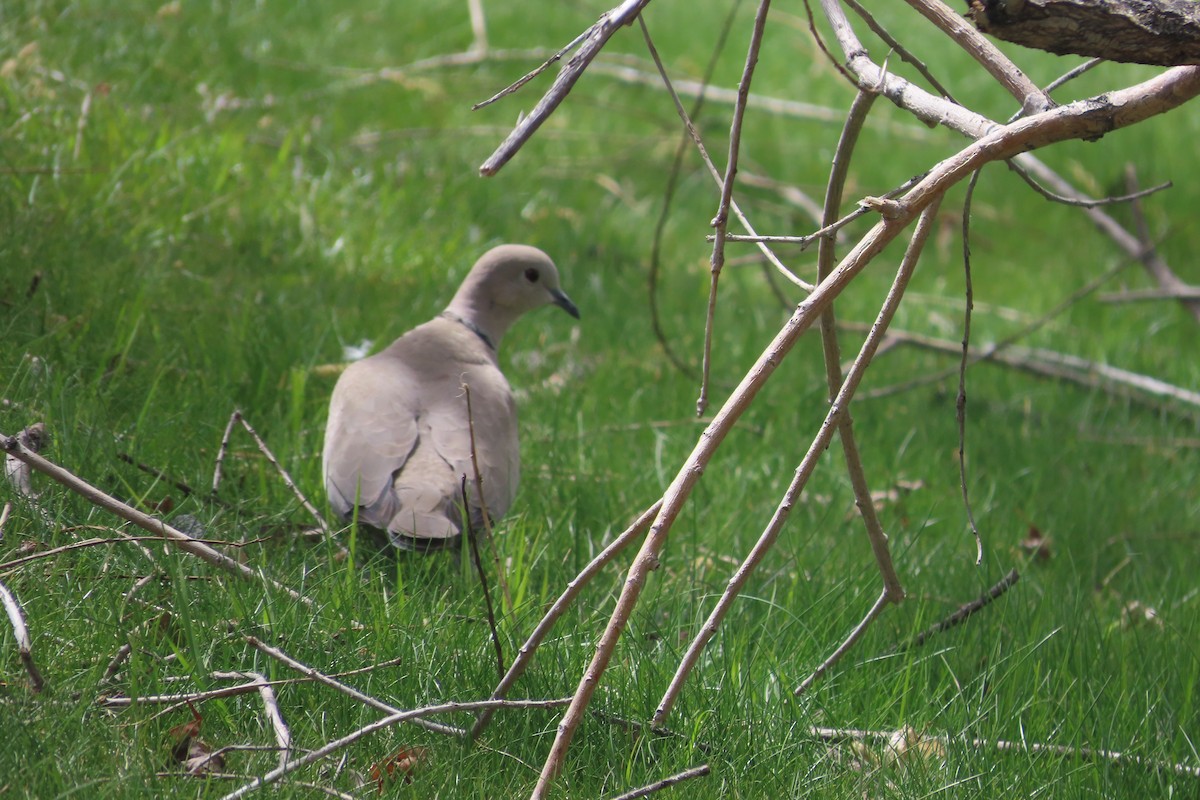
pixel 562 301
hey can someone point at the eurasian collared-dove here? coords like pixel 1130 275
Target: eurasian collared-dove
pixel 398 442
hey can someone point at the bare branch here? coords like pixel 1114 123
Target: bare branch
pixel 721 219
pixel 525 654
pixel 156 526
pixel 998 65
pixel 960 615
pixel 1061 366
pixel 716 174
pixel 237 417
pixel 1190 293
pixel 1090 753
pixel 597 36
pixel 1085 202
pixel 1158 269
pixel 839 405
pixel 16 618
pixel 679 777
pixel 350 691
pixel 960 402
pixel 392 719
pixel 836 656
pixel 283 736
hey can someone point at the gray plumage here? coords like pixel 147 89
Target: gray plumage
pixel 398 443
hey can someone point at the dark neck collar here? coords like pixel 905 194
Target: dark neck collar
pixel 472 327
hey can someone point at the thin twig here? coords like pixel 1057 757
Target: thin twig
pixel 836 656
pixel 1011 339
pixel 1158 269
pixel 392 719
pixel 1085 202
pixel 708 162
pixel 838 406
pixel 679 777
pixel 1143 295
pixel 527 77
pixel 181 699
pixel 483 584
pixel 902 51
pixel 8 566
pixel 1135 246
pixel 1072 74
pixel 826 258
pixel 162 476
pixel 960 402
pixel 237 417
pixel 597 36
pixel 283 736
pixel 16 618
pixel 501 578
pixel 116 662
pixel 479 40
pixel 560 606
pixel 827 231
pixel 1143 389
pixel 156 526
pixel 1089 753
pixel 961 613
pixel 673 178
pixel 350 691
pixel 721 220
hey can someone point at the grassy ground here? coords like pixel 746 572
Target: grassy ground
pixel 244 195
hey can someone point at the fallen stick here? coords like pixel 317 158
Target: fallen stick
pixel 1087 753
pixel 333 683
pixel 16 618
pixel 960 615
pixel 388 721
pixel 13 447
pixel 679 777
pixel 283 736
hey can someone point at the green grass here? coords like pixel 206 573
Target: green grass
pixel 196 254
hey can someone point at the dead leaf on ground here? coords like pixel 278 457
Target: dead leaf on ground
pixel 1036 544
pixel 1136 613
pixel 909 746
pixel 404 762
pixel 195 755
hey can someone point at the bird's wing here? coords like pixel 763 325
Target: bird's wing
pixel 371 432
pixel 493 429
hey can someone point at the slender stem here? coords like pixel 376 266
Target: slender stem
pixel 156 526
pixel 829 426
pixel 525 654
pixel 998 65
pixel 679 777
pixel 721 220
pixel 845 646
pixel 960 403
pixel 826 253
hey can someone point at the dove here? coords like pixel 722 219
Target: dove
pixel 399 439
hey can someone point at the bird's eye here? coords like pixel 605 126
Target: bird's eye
pixel 531 275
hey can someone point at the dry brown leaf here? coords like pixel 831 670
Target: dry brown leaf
pixel 404 761
pixel 1036 544
pixel 1135 613
pixel 187 730
pixel 909 746
pixel 189 750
